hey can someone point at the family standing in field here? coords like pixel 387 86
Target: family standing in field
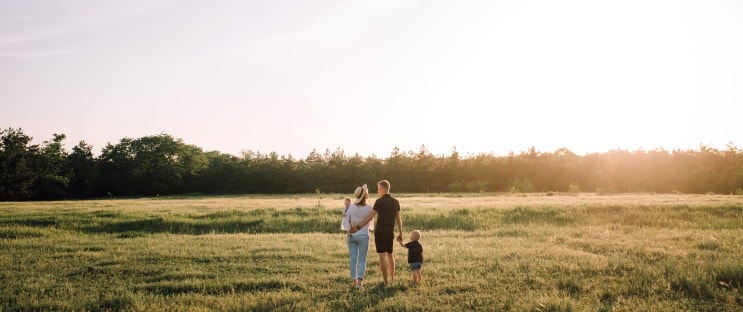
pixel 358 220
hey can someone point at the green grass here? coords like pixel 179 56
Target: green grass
pixel 490 252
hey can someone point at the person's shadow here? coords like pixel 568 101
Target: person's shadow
pixel 370 296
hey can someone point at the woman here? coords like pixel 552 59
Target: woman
pixel 358 242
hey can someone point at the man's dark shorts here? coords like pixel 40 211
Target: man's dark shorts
pixel 384 241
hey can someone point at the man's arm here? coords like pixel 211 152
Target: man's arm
pixel 399 225
pixel 366 220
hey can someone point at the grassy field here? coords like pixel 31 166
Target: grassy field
pixel 490 252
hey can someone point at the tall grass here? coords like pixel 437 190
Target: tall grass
pixel 483 252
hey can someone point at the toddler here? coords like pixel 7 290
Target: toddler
pixel 346 204
pixel 415 255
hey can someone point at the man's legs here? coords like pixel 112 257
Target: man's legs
pixel 391 266
pixel 387 264
pixel 384 242
pixel 383 265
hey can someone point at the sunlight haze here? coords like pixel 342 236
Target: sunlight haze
pixel 368 76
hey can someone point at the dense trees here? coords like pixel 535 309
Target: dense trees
pixel 17 173
pixel 85 172
pixel 53 173
pixel 163 165
pixel 151 165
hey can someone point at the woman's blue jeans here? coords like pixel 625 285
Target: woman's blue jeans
pixel 358 246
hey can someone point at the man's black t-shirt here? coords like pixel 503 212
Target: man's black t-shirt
pixel 415 252
pixel 386 208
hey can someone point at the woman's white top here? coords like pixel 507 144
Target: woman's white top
pixel 357 213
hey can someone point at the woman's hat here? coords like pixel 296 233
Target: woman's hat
pixel 360 193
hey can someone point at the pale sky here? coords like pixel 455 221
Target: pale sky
pixel 367 76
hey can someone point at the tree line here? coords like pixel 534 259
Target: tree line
pixel 163 165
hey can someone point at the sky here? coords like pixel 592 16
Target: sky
pixel 494 76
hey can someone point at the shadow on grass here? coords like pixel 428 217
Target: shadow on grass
pixel 208 288
pixel 161 225
pixel 263 221
pixel 117 300
pixel 361 299
pixel 14 232
pixel 31 221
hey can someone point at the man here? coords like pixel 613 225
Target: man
pixel 388 209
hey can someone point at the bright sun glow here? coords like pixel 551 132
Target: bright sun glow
pixel 484 76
